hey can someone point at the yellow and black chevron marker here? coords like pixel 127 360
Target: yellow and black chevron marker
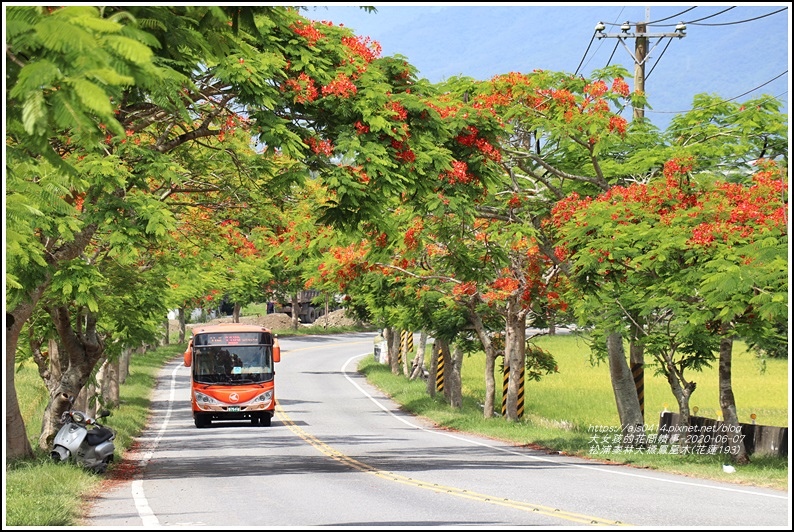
pixel 409 343
pixel 638 372
pixel 440 370
pixel 402 348
pixel 520 402
pixel 505 382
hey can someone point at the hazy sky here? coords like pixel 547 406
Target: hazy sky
pixel 730 51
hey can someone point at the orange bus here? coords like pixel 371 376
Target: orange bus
pixel 232 371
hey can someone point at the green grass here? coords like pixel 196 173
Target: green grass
pixel 581 393
pixel 560 409
pixel 312 330
pixel 254 309
pixel 42 493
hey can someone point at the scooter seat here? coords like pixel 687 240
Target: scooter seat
pixel 98 435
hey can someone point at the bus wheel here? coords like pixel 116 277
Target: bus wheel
pixel 264 420
pixel 201 420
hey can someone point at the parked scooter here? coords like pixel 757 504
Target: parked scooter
pixel 84 441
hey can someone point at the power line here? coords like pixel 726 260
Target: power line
pixel 729 99
pixel 615 49
pixel 641 52
pixel 585 53
pixel 711 16
pixel 742 21
pixel 671 16
pixel 659 59
pixel 599 47
pixel 696 20
pixel 639 60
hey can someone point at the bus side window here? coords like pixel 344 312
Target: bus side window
pixel 205 362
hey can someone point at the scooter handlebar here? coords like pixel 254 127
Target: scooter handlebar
pixel 77 416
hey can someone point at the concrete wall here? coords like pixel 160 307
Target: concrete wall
pixel 758 439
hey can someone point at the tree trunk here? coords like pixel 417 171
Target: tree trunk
pixel 455 388
pixel 50 424
pixel 81 349
pixel 124 364
pixel 489 406
pixel 432 377
pixel 91 397
pixel 393 345
pixel 296 309
pixel 418 363
pixel 81 401
pixel 17 444
pixel 111 391
pixel 180 315
pixel 47 361
pixel 102 384
pixel 682 391
pixel 637 361
pixel 236 313
pixel 167 335
pixel 55 364
pixel 490 361
pixel 623 387
pixel 728 402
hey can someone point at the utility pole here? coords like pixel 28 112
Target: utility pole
pixel 641 52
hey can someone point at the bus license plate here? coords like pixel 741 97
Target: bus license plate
pixel 234 409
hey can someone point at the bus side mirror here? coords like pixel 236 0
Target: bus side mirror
pixel 276 353
pixel 188 356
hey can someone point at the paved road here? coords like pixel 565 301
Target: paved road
pixel 340 454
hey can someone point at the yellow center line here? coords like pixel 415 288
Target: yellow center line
pixel 438 488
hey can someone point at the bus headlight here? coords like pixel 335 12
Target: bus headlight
pixel 264 397
pixel 204 399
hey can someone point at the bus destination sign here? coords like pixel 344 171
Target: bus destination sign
pixel 230 338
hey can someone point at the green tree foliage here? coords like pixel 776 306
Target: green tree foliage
pixel 114 102
pixel 698 259
pixel 188 144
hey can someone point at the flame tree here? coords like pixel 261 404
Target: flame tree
pixel 698 259
pixel 107 107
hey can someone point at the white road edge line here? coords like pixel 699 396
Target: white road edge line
pixel 138 496
pixel 524 455
pixel 149 519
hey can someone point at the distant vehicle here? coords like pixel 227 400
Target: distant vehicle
pixel 232 373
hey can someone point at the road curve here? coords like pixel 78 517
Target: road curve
pixel 340 454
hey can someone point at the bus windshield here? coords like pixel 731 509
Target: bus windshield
pixel 232 364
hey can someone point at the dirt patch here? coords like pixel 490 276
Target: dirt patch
pixel 278 321
pixel 337 318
